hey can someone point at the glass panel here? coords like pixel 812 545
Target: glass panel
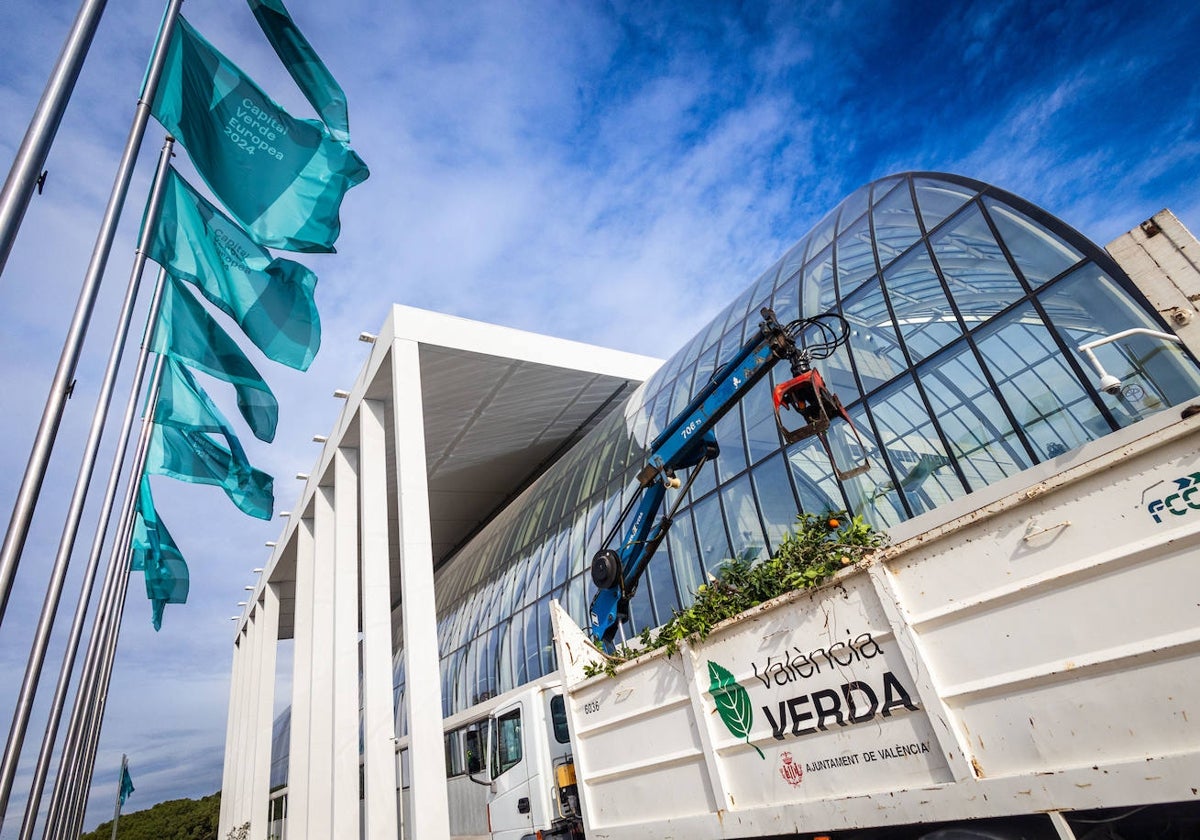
pixel 1047 399
pixel 765 285
pixel 536 584
pixel 923 313
pixel 854 207
pixel 786 301
pixel 973 421
pixel 489 658
pixel 685 558
pixel 462 680
pixel 1088 305
pixel 573 600
pixel 641 612
pixel 705 481
pixel 822 232
pixel 662 587
pixel 855 261
pixel 910 442
pixel 586 540
pixel 504 663
pixel 978 275
pixel 873 341
pixel 762 433
pixel 883 186
pixel 775 497
pixel 506 746
pixel 817 293
pixel 1039 254
pixel 896 225
pixel 938 199
pixel 524 570
pixel 710 534
pixel 745 530
pixel 660 416
pixel 813 476
pixel 872 494
pixel 732 459
pixel 682 394
pixel 737 310
pixel 532 645
pixel 545 636
pixel 560 558
pixel 519 653
pixel 471 672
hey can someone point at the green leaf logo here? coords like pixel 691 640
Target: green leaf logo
pixel 733 703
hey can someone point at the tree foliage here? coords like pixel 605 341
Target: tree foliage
pixel 818 547
pixel 177 819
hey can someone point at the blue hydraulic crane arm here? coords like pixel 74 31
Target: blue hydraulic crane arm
pixel 689 441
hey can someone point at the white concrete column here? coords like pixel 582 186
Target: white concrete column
pixel 320 725
pixel 298 751
pixel 229 775
pixel 247 736
pixel 345 645
pixel 379 714
pixel 267 630
pixel 423 685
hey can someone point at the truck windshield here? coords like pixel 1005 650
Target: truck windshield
pixel 506 746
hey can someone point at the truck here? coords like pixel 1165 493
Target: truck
pixel 1022 662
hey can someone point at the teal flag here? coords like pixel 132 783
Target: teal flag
pixel 270 299
pixel 191 455
pixel 307 70
pixel 154 553
pixel 182 403
pixel 282 178
pixel 126 782
pixel 188 333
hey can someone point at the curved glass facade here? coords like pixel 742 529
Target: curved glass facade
pixel 966 306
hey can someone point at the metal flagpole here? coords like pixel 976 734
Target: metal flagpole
pixel 31 156
pixel 120 788
pixel 60 388
pixel 89 741
pixel 108 614
pixel 58 573
pixel 33 803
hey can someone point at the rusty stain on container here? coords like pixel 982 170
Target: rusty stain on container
pixel 975 766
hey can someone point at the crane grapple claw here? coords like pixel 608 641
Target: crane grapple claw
pixel 808 396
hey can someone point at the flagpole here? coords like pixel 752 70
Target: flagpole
pixel 26 170
pixel 61 386
pixel 70 770
pixel 90 727
pixel 45 755
pixel 120 788
pixel 58 574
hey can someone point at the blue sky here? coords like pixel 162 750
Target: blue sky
pixel 606 172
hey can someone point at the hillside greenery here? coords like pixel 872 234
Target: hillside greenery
pixel 176 819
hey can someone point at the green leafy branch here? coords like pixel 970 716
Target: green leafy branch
pixel 819 547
